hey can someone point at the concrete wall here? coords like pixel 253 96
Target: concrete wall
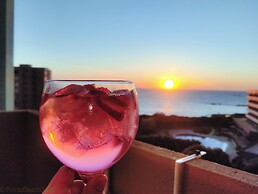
pixel 25 161
pixel 12 148
pixel 150 169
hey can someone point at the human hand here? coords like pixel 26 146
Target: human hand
pixel 63 183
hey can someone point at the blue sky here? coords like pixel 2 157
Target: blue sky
pixel 201 44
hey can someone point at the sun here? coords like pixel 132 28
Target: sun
pixel 169 84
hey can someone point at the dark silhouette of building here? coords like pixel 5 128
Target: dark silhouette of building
pixel 29 83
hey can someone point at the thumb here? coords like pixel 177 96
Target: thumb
pixel 96 185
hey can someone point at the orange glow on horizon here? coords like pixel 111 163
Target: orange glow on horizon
pixel 158 82
pixel 185 82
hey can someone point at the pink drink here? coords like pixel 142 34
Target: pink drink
pixel 89 128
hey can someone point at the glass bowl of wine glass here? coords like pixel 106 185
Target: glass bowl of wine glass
pixel 89 124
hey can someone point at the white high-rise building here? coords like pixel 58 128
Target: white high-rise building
pixel 252 114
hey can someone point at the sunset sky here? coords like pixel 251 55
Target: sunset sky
pixel 200 44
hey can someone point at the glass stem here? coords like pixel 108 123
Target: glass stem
pixel 86 177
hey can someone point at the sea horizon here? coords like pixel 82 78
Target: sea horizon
pixel 191 103
pixel 189 89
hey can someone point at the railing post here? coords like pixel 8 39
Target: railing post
pixel 179 171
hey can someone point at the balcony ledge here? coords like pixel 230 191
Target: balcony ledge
pixel 144 169
pixel 150 169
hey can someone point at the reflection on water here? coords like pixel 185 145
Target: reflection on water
pixel 207 142
pixel 213 143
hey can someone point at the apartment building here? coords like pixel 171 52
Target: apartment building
pixel 252 114
pixel 28 85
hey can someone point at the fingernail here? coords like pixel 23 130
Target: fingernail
pixel 100 183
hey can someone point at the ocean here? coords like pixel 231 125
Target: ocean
pixel 191 103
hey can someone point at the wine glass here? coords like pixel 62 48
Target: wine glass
pixel 89 124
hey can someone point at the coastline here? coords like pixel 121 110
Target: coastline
pixel 162 130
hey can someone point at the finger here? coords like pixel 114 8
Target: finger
pixel 64 177
pixel 77 187
pixel 96 185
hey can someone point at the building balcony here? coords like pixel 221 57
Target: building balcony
pixel 26 163
pixel 252 117
pixel 253 98
pixel 253 93
pixel 253 105
pixel 253 112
